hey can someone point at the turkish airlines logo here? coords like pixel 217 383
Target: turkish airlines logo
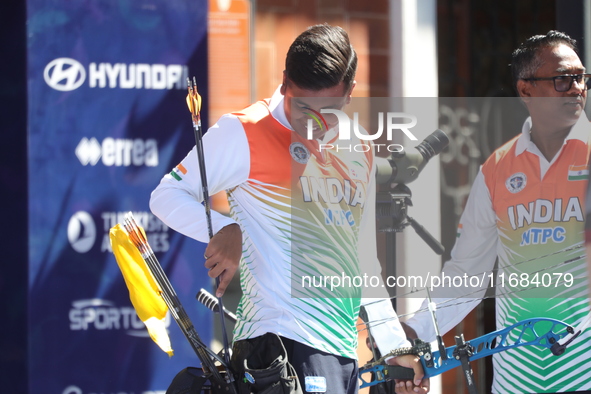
pixel 64 74
pixel 81 232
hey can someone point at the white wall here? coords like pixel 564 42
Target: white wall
pixel 413 73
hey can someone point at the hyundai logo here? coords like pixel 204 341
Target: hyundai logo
pixel 64 74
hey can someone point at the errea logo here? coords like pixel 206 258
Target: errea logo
pixel 64 74
pixel 119 152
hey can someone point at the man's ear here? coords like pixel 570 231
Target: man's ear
pixel 283 84
pixel 351 91
pixel 524 89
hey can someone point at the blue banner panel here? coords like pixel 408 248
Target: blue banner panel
pixel 106 120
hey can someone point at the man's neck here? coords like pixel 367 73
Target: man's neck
pixel 548 140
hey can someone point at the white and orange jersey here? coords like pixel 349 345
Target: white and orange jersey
pixel 528 212
pixel 303 213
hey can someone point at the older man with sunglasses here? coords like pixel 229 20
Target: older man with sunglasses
pixel 526 209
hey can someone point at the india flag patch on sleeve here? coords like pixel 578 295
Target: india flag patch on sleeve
pixel 459 232
pixel 178 171
pixel 578 173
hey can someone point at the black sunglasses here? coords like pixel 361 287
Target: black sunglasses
pixel 563 83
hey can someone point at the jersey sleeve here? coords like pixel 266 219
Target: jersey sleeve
pixel 588 211
pixel 588 224
pixel 473 254
pixel 178 199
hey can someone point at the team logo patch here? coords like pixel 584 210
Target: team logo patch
pixel 516 182
pixel 299 152
pixel 315 384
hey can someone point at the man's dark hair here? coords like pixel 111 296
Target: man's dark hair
pixel 320 58
pixel 526 60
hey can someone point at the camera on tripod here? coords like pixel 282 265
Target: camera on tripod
pixel 395 172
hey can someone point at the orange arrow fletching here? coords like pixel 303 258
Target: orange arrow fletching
pixel 194 101
pixel 191 103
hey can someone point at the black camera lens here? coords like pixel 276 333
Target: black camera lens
pixel 433 144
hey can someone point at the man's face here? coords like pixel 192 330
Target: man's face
pixel 303 104
pixel 544 103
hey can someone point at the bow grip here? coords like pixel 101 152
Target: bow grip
pixel 398 372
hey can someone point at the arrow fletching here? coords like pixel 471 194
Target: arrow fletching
pixel 193 99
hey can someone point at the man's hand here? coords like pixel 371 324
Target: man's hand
pixel 222 255
pixel 419 385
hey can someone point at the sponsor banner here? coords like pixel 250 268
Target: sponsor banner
pixel 106 120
